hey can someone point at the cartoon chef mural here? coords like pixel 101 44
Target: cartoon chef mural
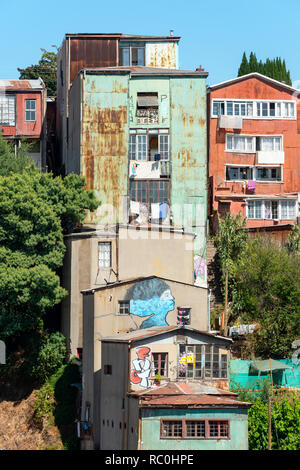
pixel 141 367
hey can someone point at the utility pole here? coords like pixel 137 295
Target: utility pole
pixel 270 429
pixel 226 301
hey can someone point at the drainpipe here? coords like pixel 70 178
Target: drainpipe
pixel 208 310
pixel 139 446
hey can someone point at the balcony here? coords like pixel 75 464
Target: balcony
pixel 149 169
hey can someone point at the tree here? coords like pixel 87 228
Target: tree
pixel 46 69
pixel 275 68
pixel 35 211
pixel 11 162
pixel 244 67
pixel 266 280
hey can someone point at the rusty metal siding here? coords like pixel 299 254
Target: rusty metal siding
pixel 162 54
pixel 92 52
pixel 104 147
pixel 188 156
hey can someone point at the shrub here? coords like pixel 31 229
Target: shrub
pixel 51 356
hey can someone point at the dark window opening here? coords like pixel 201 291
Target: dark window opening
pixel 107 369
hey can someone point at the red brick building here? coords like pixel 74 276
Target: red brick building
pixel 22 115
pixel 254 152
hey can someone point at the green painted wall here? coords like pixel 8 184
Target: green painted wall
pixel 104 150
pixel 151 430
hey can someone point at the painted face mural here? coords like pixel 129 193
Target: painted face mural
pixel 141 367
pixel 151 298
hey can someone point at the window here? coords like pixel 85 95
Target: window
pixel 267 209
pixel 196 361
pixel 30 110
pixel 190 361
pixel 251 144
pixel 240 143
pixel 160 364
pixel 239 173
pixel 107 369
pixel 7 110
pixel 219 429
pixel 132 53
pixel 254 109
pixel 124 307
pixel 104 254
pixel 172 429
pixel 149 191
pixel 147 108
pixel 145 147
pixel 195 429
pixel 216 363
pixel 268 174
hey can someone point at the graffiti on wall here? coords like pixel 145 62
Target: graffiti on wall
pixel 151 298
pixel 199 270
pixel 141 369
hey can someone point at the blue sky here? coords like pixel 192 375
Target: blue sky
pixel 213 34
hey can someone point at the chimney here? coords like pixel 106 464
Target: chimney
pixel 171 32
pixel 200 69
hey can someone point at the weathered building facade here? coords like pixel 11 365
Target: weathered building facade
pixel 165 388
pixel 87 50
pixel 254 147
pixel 138 136
pixel 22 116
pixel 132 306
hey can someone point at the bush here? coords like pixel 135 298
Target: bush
pixel 51 356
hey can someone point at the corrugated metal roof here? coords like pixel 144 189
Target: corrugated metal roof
pixel 188 394
pixel 143 70
pixel 157 330
pixel 124 36
pixel 21 85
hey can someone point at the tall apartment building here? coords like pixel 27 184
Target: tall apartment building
pixel 22 116
pixel 254 152
pixel 138 136
pixel 86 50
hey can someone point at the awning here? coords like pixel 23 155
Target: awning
pixel 268 365
pixel 146 101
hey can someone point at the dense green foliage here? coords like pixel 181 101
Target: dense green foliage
pixel 266 290
pixel 263 285
pixel 35 210
pixel 273 68
pixel 55 403
pixel 49 357
pixel 285 425
pixel 11 162
pixel 46 69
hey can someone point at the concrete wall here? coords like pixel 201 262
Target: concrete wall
pixel 134 254
pixel 151 419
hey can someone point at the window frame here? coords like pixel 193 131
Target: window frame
pixel 159 364
pixel 102 243
pixel 134 145
pixel 203 361
pixel 30 110
pixel 137 182
pixel 130 46
pixel 279 105
pixel 121 304
pixel 257 140
pixel 281 216
pixel 11 108
pixel 206 421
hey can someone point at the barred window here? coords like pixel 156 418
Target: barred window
pixel 218 429
pixel 172 429
pixel 195 428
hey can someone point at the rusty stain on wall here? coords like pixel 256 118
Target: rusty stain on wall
pixel 161 55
